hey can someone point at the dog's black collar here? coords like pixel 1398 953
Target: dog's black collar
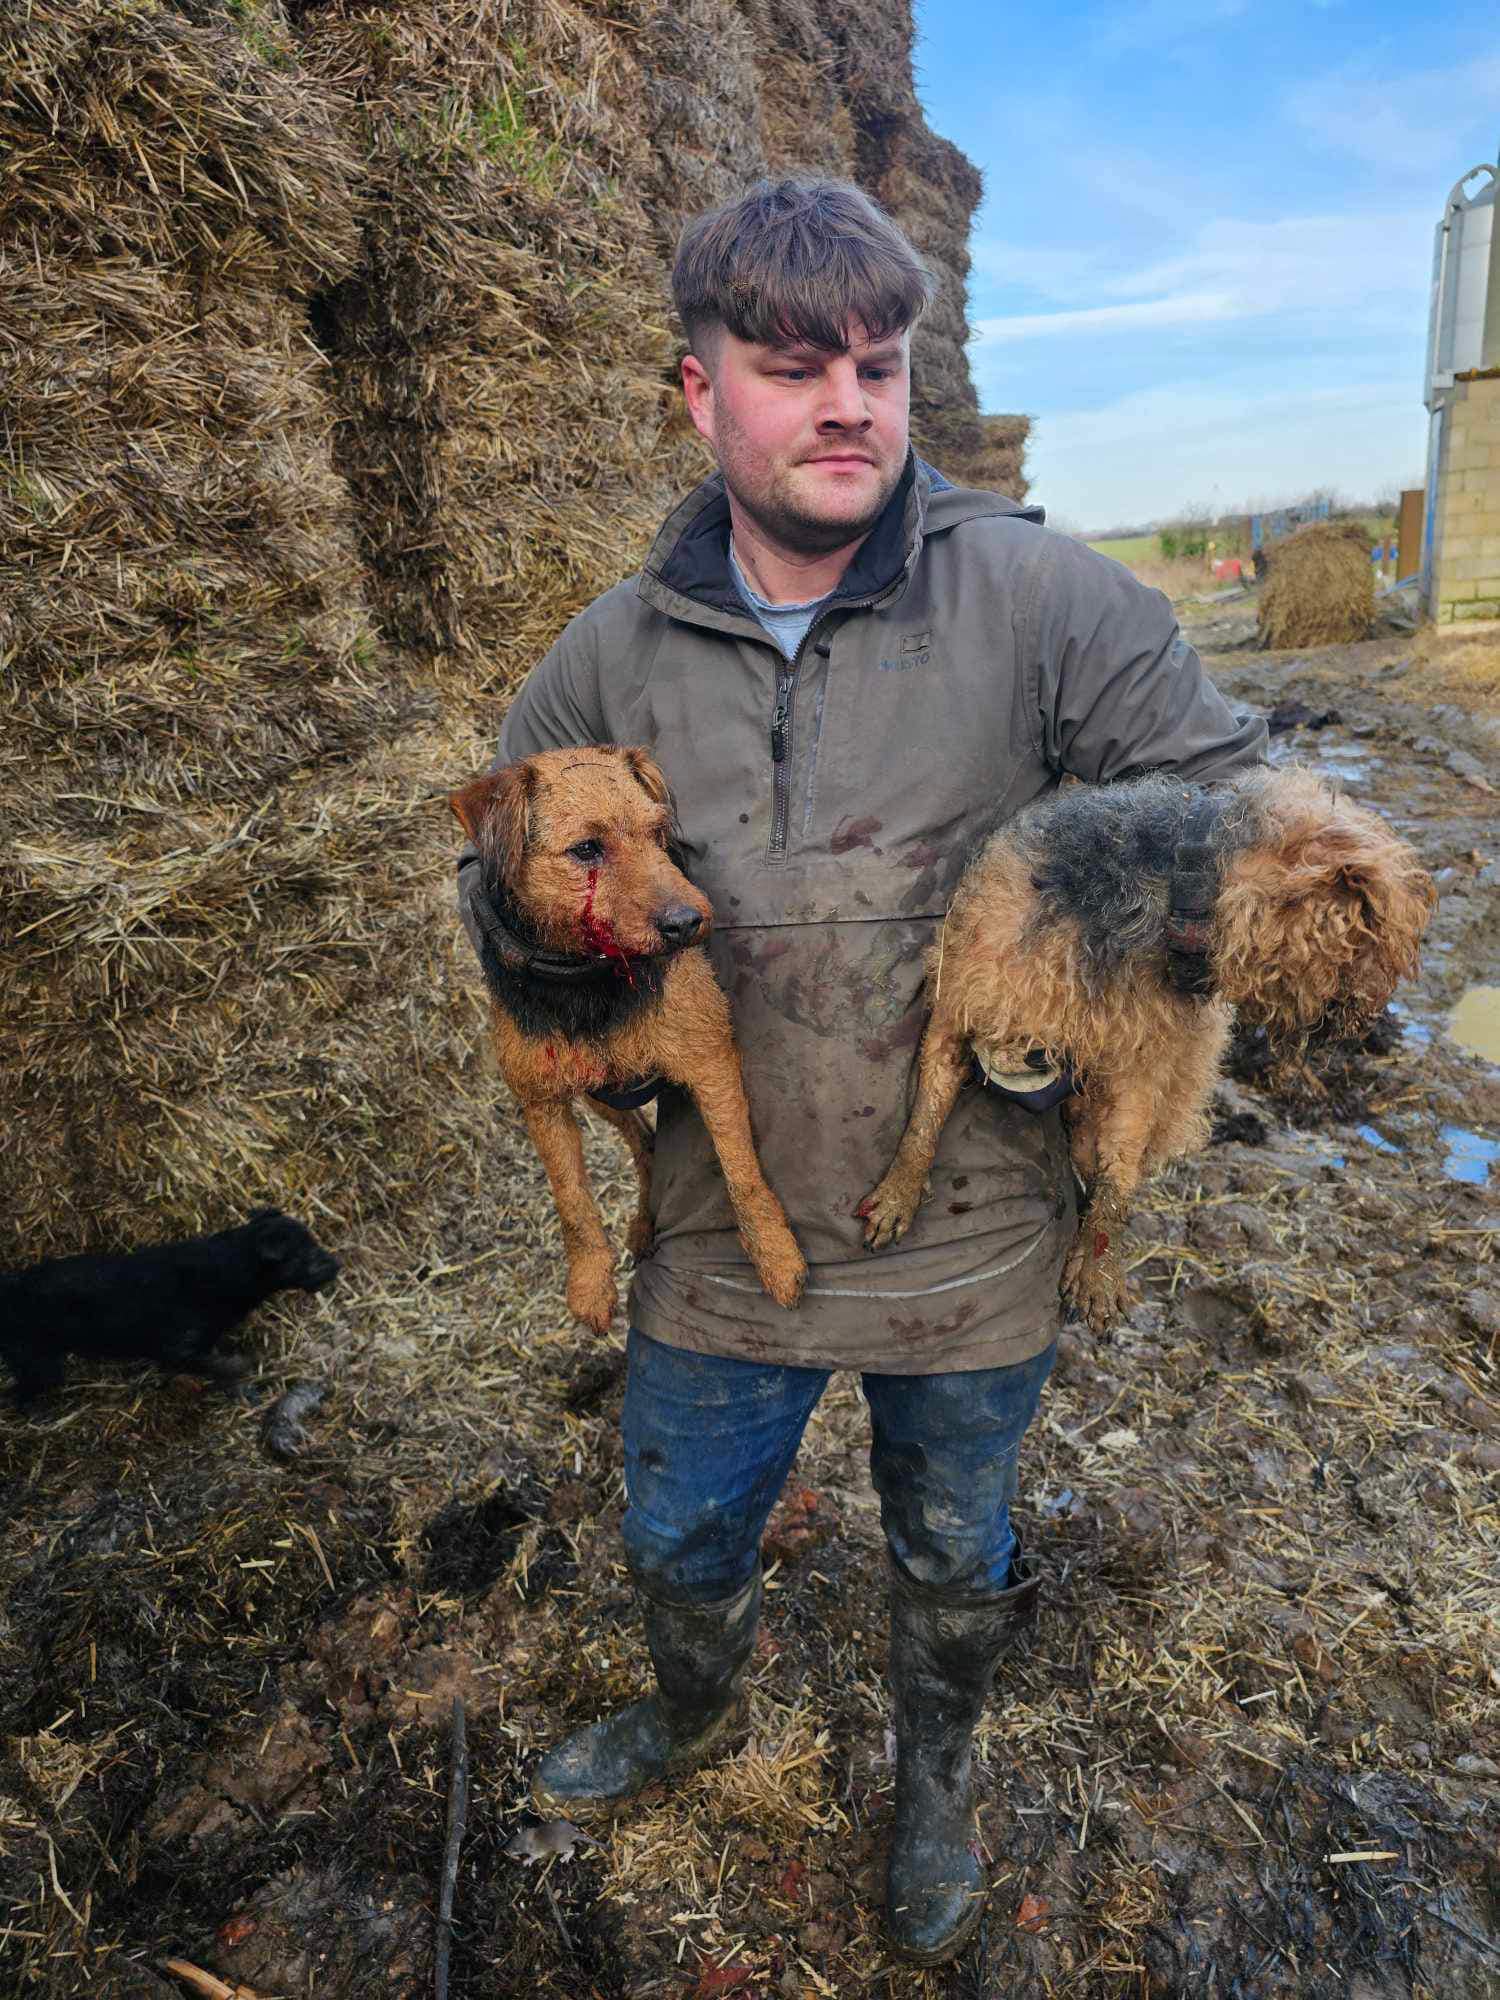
pixel 518 954
pixel 1192 890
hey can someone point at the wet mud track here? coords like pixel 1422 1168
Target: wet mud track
pixel 1252 1749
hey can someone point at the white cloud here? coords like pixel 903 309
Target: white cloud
pixel 1408 123
pixel 1186 309
pixel 1153 452
pixel 1373 265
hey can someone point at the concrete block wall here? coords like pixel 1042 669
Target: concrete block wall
pixel 1466 530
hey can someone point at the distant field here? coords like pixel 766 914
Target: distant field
pixel 1129 548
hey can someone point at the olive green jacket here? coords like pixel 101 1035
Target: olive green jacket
pixel 968 659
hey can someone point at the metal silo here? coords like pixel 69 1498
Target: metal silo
pixel 1463 331
pixel 1463 351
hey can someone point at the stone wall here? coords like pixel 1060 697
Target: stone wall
pixel 1466 533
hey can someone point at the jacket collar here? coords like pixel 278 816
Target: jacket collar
pixel 687 572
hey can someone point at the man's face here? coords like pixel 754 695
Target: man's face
pixel 811 444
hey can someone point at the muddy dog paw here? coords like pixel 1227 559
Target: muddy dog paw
pixel 639 1236
pixel 591 1290
pixel 1093 1279
pixel 888 1212
pixel 782 1267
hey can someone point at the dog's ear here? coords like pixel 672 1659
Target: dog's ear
pixel 648 775
pixel 494 812
pixel 1381 898
pixel 1396 896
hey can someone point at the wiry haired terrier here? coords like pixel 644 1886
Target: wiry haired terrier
pixel 591 940
pixel 1107 935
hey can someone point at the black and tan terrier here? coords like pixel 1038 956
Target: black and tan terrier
pixel 1106 936
pixel 591 941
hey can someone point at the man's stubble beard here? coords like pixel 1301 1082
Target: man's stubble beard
pixel 779 518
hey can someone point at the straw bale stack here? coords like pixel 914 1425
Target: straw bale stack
pixel 186 896
pixel 501 353
pixel 1319 588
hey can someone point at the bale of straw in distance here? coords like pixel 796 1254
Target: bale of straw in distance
pixel 1319 588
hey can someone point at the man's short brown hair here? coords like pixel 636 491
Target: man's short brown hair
pixel 794 263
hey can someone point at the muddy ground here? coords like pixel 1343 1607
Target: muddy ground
pixel 1265 1507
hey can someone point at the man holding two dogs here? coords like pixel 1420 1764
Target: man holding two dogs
pixel 848 669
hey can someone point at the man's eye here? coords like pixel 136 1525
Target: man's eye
pixel 587 850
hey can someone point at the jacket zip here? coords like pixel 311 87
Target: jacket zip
pixel 781 749
pixel 781 723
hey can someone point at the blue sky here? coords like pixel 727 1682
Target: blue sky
pixel 1204 254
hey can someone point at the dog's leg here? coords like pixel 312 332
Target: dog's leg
pixel 640 1143
pixel 1185 1091
pixel 591 1261
pixel 941 1068
pixel 1078 1115
pixel 719 1092
pixel 226 1371
pixel 694 1046
pixel 36 1375
pixel 1122 1114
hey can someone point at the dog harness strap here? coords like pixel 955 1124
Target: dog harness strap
pixel 631 1096
pixel 1192 890
pixel 1045 1097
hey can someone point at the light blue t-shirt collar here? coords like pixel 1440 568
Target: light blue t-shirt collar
pixel 788 624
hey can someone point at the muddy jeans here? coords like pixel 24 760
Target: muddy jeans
pixel 709 1441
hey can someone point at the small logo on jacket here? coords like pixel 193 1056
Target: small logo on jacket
pixel 916 651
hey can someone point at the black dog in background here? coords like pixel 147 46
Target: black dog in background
pixel 170 1303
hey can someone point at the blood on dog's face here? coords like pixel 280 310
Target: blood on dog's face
pixel 579 841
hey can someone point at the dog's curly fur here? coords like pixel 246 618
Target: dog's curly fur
pixel 576 858
pixel 1055 950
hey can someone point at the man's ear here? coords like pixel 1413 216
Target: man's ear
pixel 493 811
pixel 698 391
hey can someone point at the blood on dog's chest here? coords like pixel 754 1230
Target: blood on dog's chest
pixel 571 1067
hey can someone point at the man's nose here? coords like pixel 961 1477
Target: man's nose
pixel 844 406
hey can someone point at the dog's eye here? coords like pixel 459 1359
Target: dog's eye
pixel 587 850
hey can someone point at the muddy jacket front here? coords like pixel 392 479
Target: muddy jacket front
pixel 968 660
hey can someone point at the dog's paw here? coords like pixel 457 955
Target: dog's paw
pixel 1093 1281
pixel 887 1213
pixel 783 1270
pixel 639 1236
pixel 591 1291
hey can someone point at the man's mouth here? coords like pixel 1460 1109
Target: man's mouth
pixel 845 460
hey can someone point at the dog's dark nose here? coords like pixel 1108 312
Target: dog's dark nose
pixel 680 924
pixel 1037 1059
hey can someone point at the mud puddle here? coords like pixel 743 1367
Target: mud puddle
pixel 1474 1023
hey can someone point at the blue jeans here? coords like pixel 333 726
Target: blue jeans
pixel 709 1442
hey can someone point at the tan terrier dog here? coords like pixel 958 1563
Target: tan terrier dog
pixel 591 944
pixel 1106 934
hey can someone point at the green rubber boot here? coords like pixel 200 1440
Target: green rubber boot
pixel 700 1652
pixel 945 1646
